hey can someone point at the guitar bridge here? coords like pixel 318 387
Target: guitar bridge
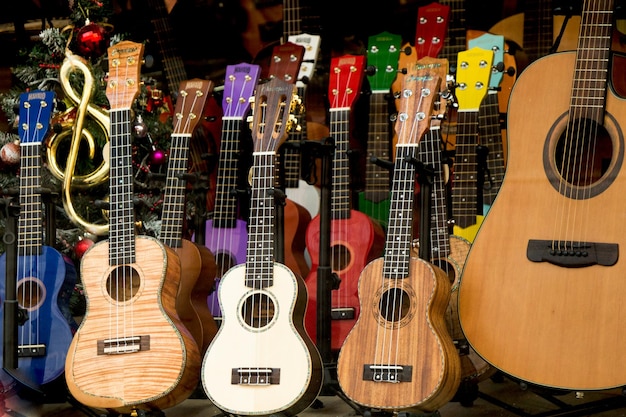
pixel 255 376
pixel 342 313
pixel 31 351
pixel 122 345
pixel 572 254
pixel 387 373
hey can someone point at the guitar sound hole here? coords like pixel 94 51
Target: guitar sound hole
pixel 258 310
pixel 395 304
pixel 340 257
pixel 224 263
pixel 123 283
pixel 30 293
pixel 583 153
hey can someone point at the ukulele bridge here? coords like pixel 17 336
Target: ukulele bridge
pixel 387 373
pixel 255 376
pixel 122 345
pixel 572 254
pixel 31 351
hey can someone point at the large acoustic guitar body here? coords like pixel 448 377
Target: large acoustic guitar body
pixel 413 340
pixel 131 350
pixel 552 317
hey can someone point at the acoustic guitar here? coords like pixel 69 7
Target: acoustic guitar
pixel 44 334
pixel 355 238
pixel 196 261
pixel 131 351
pixel 542 286
pixel 261 361
pixel 472 78
pixel 399 355
pixel 227 231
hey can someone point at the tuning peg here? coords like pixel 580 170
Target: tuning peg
pixel 370 70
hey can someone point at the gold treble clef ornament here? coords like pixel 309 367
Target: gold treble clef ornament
pixel 84 108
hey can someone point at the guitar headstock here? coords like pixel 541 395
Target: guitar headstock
pixel 494 43
pixel 383 54
pixel 472 77
pixel 125 59
pixel 192 95
pixel 420 90
pixel 431 29
pixel 271 114
pixel 239 86
pixel 34 115
pixel 311 45
pixel 345 80
pixel 285 62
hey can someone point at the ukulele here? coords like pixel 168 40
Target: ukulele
pixel 472 79
pixel 131 350
pixel 196 261
pixel 261 361
pixel 542 286
pixel 399 356
pixel 383 53
pixel 355 238
pixel 41 271
pixel 226 232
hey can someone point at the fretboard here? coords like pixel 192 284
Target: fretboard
pixel 30 229
pixel 464 191
pixel 340 130
pixel 456 40
pixel 491 137
pixel 174 197
pixel 538 28
pixel 378 145
pixel 121 213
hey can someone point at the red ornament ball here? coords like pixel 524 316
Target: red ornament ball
pixel 158 157
pixel 91 40
pixel 81 247
pixel 10 154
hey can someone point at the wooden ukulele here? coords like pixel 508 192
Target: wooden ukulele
pixel 542 286
pixel 131 350
pixel 45 333
pixel 399 355
pixel 262 361
pixel 355 238
pixel 197 261
pixel 472 79
pixel 227 232
pixel 383 53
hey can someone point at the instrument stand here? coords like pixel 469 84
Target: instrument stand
pixel 563 409
pixel 326 279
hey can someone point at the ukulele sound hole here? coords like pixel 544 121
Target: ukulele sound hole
pixel 123 283
pixel 340 257
pixel 395 304
pixel 30 293
pixel 258 310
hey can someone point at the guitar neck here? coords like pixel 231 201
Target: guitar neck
pixel 378 145
pixel 122 219
pixel 226 202
pixel 456 40
pixel 340 130
pixel 30 229
pixel 464 197
pixel 174 198
pixel 400 230
pixel 538 28
pixel 292 22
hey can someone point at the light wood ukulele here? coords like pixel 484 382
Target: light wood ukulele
pixel 543 286
pixel 131 350
pixel 399 355
pixel 197 261
pixel 262 361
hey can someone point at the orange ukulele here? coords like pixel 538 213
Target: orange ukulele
pixel 543 284
pixel 196 261
pixel 399 355
pixel 355 239
pixel 261 361
pixel 131 350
